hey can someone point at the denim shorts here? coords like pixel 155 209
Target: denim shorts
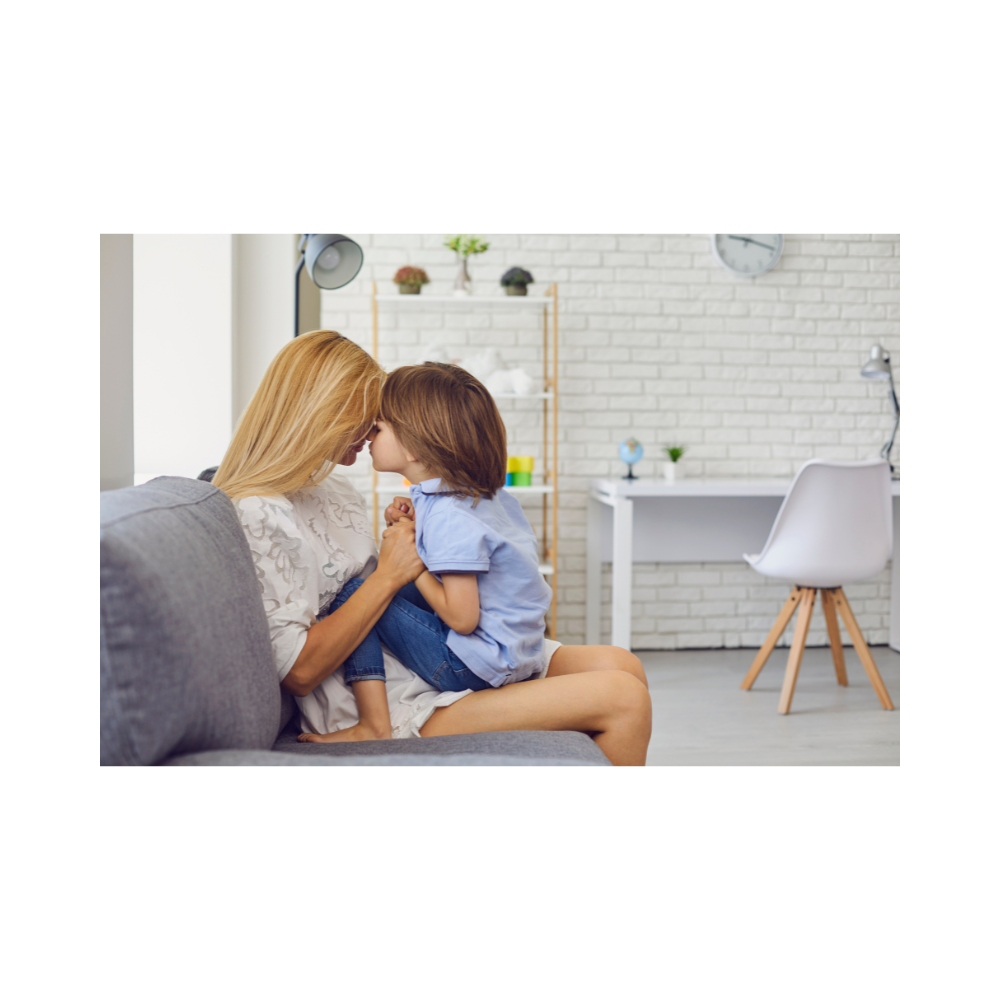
pixel 411 631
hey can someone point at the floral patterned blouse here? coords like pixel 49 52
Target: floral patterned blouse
pixel 305 547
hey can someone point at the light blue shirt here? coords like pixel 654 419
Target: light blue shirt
pixel 494 541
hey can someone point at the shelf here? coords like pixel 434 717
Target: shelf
pixel 527 490
pixel 523 395
pixel 548 344
pixel 465 300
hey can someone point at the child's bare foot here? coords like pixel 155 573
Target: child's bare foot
pixel 353 734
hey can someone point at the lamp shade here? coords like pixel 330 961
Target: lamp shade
pixel 877 366
pixel 332 260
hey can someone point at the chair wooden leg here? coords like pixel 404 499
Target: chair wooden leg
pixel 780 624
pixel 798 648
pixel 861 648
pixel 833 631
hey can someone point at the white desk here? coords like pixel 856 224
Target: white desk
pixel 692 520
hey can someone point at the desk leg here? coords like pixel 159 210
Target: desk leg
pixel 593 624
pixel 621 575
pixel 894 596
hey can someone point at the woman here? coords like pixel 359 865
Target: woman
pixel 309 533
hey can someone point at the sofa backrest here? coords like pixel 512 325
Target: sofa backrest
pixel 186 661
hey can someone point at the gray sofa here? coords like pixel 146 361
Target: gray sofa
pixel 187 674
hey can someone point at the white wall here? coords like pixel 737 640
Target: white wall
pixel 183 353
pixel 210 314
pixel 116 362
pixel 263 272
pixel 755 376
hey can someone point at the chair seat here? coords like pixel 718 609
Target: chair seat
pixel 814 579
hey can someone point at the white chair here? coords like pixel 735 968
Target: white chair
pixel 834 527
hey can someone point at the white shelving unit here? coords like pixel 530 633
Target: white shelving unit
pixel 548 489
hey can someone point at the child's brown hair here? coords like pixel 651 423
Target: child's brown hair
pixel 449 420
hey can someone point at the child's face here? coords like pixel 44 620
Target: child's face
pixel 387 453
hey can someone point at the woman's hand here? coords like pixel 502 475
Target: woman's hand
pixel 330 641
pixel 401 508
pixel 397 556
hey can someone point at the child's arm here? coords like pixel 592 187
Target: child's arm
pixel 455 599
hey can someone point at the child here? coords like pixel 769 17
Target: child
pixel 440 428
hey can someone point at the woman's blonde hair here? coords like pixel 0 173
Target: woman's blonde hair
pixel 319 395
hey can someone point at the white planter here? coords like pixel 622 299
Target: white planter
pixel 671 471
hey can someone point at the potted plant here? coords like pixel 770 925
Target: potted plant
pixel 516 281
pixel 670 469
pixel 411 280
pixel 465 247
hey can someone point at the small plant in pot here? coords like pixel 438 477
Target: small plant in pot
pixel 465 246
pixel 411 280
pixel 671 468
pixel 516 281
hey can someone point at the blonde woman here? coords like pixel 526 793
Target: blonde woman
pixel 309 533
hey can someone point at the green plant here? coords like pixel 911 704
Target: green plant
pixel 465 246
pixel 674 453
pixel 517 276
pixel 411 276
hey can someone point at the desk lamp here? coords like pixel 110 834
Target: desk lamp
pixel 877 367
pixel 330 260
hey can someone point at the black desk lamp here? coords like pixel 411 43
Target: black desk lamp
pixel 330 260
pixel 878 367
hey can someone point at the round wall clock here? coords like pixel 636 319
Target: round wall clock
pixel 746 254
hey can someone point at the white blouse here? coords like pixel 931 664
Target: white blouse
pixel 305 547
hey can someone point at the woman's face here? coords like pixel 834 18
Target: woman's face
pixel 353 450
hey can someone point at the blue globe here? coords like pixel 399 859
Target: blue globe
pixel 630 451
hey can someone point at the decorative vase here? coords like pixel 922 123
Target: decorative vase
pixel 517 289
pixel 463 283
pixel 669 471
pixel 409 289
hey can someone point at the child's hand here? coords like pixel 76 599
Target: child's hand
pixel 401 509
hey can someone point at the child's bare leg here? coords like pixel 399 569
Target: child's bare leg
pixel 579 659
pixel 373 717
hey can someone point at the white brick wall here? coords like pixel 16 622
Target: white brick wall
pixel 754 376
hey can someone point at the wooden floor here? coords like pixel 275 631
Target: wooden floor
pixel 700 715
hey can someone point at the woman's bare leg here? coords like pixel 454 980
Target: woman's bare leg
pixel 610 705
pixel 581 659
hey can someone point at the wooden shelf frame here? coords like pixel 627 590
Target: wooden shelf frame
pixel 548 302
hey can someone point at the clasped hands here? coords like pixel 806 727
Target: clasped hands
pixel 398 552
pixel 401 509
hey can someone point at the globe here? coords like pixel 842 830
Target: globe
pixel 630 452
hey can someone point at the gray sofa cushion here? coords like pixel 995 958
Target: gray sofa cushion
pixel 266 758
pixel 570 747
pixel 186 661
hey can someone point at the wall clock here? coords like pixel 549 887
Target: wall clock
pixel 746 254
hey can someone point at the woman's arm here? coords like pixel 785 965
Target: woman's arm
pixel 331 641
pixel 455 599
